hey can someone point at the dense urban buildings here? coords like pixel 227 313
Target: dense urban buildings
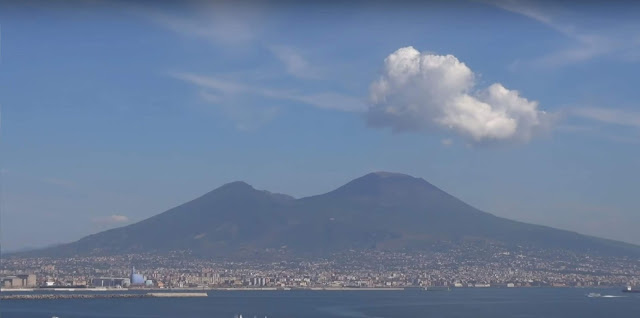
pixel 465 266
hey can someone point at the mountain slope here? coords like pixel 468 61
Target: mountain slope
pixel 380 210
pixel 222 220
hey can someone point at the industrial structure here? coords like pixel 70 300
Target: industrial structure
pixel 111 282
pixel 136 279
pixel 18 281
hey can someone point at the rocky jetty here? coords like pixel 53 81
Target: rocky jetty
pixel 94 296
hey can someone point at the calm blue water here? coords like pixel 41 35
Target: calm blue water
pixel 468 303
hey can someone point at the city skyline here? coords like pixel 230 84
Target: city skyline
pixel 115 112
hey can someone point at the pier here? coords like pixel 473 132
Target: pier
pixel 94 296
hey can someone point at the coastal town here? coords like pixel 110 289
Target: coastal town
pixel 466 266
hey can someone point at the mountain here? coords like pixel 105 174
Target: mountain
pixel 382 210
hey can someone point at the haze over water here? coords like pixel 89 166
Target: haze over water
pixel 478 303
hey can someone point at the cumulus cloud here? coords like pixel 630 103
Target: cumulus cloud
pixel 421 91
pixel 111 219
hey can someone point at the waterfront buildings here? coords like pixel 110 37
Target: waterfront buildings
pixel 468 266
pixel 19 281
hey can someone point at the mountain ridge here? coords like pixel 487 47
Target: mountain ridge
pixel 380 210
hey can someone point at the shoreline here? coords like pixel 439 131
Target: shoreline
pixel 95 296
pixel 205 289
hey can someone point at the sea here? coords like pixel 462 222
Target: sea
pixel 460 302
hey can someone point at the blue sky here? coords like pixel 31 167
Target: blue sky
pixel 113 112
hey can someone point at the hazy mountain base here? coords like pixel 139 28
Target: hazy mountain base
pixel 379 211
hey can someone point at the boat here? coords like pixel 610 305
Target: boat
pixel 630 289
pixel 593 295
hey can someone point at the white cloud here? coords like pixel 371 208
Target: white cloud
pixel 294 63
pixel 111 219
pixel 609 116
pixel 420 91
pixel 226 89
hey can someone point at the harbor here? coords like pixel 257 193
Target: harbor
pixel 100 295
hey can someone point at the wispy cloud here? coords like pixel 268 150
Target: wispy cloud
pixel 295 64
pixel 217 90
pixel 609 116
pixel 540 14
pixel 219 85
pixel 227 25
pixel 447 142
pixel 220 22
pixel 245 116
pixel 588 42
pixel 595 118
pixel 111 219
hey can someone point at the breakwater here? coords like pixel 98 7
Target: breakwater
pixel 94 296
